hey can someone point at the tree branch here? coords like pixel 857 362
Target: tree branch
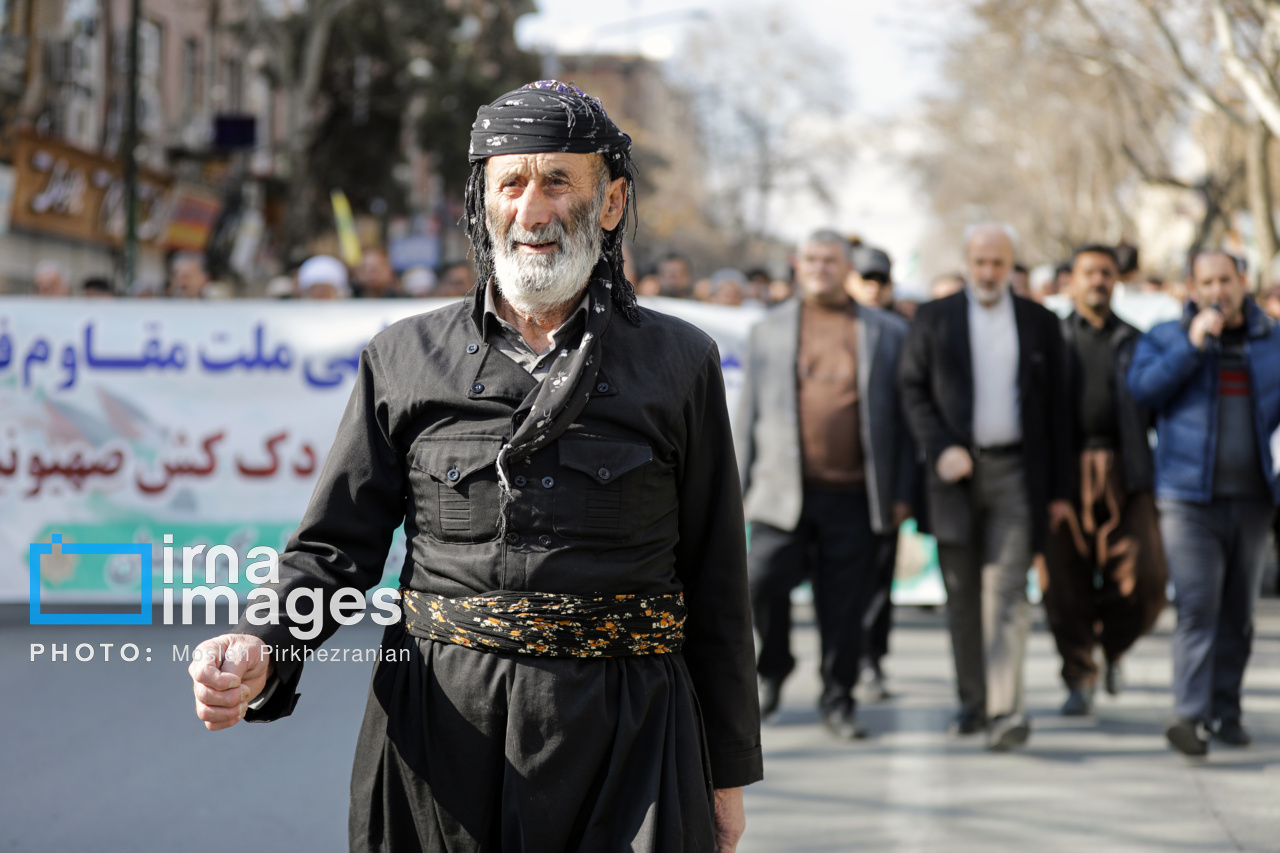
pixel 1191 77
pixel 1261 95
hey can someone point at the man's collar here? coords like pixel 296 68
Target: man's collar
pixel 851 307
pixel 491 315
pixel 1082 321
pixel 1006 296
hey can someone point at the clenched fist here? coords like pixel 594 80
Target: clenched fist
pixel 955 464
pixel 228 672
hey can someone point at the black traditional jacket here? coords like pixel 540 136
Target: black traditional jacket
pixel 640 495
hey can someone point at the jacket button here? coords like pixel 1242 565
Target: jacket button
pixel 513 538
pixel 603 473
pixel 547 482
pixel 544 541
pixel 477 388
pixel 454 474
pixel 602 387
pixel 473 348
pixel 520 481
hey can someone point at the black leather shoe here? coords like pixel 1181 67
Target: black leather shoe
pixel 1232 733
pixel 1114 680
pixel 1008 732
pixel 967 723
pixel 1079 702
pixel 842 722
pixel 1190 737
pixel 770 696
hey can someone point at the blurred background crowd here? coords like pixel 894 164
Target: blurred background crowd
pixel 253 135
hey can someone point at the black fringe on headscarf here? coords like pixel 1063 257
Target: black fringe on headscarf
pixel 620 166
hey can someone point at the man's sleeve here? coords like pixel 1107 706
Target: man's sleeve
pixel 748 402
pixel 1162 365
pixel 1060 411
pixel 906 466
pixel 345 533
pixel 711 562
pixel 915 383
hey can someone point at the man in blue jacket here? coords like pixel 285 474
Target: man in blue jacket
pixel 1213 378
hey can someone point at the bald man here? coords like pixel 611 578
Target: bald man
pixel 981 374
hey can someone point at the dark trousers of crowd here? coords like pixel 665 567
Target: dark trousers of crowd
pixel 834 547
pixel 1107 571
pixel 988 613
pixel 1216 556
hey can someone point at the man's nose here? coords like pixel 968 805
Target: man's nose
pixel 534 209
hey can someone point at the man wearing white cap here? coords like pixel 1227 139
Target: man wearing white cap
pixel 323 277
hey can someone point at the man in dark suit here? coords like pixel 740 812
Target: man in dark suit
pixel 1106 566
pixel 827 466
pixel 981 378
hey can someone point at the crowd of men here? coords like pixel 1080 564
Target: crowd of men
pixel 573 665
pixel 1012 436
pixel 1017 438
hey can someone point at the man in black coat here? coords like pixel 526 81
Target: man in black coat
pixel 573 671
pixel 1106 565
pixel 981 378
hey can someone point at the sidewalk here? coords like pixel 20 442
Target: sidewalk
pixel 109 756
pixel 1098 784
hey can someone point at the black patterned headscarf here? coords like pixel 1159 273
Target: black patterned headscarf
pixel 550 116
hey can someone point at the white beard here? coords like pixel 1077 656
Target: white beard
pixel 535 285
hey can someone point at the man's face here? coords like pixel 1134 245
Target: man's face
pixel 989 256
pixel 1093 278
pixel 1216 283
pixel 545 213
pixel 1272 306
pixel 51 283
pixel 822 270
pixel 322 290
pixel 674 277
pixel 188 279
pixel 375 272
pixel 873 289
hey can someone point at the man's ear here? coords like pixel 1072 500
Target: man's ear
pixel 615 202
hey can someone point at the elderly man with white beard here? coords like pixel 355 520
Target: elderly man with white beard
pixel 577 654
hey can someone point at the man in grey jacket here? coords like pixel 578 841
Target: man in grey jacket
pixel 826 464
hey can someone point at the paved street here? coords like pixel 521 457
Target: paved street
pixel 105 756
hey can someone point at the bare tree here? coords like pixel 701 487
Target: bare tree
pixel 769 96
pixel 296 38
pixel 1123 85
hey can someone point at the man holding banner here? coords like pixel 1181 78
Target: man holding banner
pixel 576 621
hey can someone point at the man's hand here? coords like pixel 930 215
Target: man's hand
pixel 228 673
pixel 955 464
pixel 901 512
pixel 1207 323
pixel 731 819
pixel 1060 511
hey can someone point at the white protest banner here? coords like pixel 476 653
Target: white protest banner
pixel 124 421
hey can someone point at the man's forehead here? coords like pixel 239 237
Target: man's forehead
pixel 541 163
pixel 1095 259
pixel 1213 265
pixel 992 242
pixel 825 249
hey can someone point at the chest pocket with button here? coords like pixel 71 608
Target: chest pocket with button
pixel 601 481
pixel 455 487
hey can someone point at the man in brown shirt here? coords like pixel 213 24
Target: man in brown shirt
pixel 827 386
pixel 827 466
